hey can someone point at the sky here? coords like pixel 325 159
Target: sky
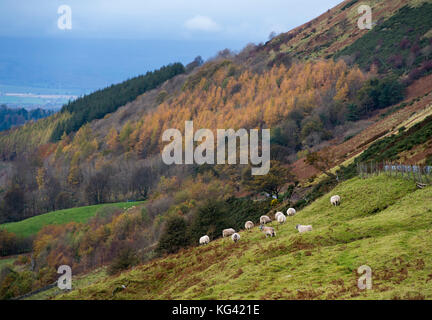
pixel 240 20
pixel 110 41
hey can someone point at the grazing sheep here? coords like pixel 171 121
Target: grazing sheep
pixel 335 200
pixel 281 218
pixel 291 212
pixel 264 219
pixel 227 232
pixel 302 229
pixel 249 225
pixel 277 214
pixel 235 237
pixel 269 231
pixel 204 240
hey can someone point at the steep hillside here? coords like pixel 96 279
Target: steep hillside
pixel 390 121
pixel 105 147
pixel 335 33
pixel 328 92
pixel 83 110
pixel 383 222
pixel 322 37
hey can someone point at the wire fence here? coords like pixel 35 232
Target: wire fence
pixel 420 174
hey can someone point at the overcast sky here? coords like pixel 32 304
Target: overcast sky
pixel 242 20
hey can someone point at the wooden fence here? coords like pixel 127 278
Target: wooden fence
pixel 420 174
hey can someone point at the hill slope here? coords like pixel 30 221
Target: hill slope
pixel 383 222
pixel 32 226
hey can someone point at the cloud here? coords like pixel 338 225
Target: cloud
pixel 202 23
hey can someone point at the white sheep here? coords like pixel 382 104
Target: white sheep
pixel 277 214
pixel 227 232
pixel 204 240
pixel 281 218
pixel 291 212
pixel 269 231
pixel 264 219
pixel 249 225
pixel 235 237
pixel 302 228
pixel 335 200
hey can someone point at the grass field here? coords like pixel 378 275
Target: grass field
pixel 382 222
pixel 32 225
pixel 7 261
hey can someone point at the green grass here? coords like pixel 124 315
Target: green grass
pixel 32 225
pixel 7 261
pixel 382 222
pixel 78 282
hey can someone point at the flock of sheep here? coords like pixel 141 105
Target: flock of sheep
pixel 268 231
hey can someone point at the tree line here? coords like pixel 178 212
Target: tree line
pixel 96 105
pixel 14 117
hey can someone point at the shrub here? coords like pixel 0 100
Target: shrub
pixel 11 244
pixel 429 160
pixel 173 237
pixel 125 259
pixel 14 284
pixel 380 93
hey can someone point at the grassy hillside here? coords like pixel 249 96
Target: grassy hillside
pixel 383 222
pixel 78 282
pixel 32 225
pixel 7 261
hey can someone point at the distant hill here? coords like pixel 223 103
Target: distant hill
pixel 15 117
pixel 31 226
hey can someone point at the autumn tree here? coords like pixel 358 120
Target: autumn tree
pixel 12 208
pixel 142 180
pixel 272 182
pixel 322 161
pixel 98 188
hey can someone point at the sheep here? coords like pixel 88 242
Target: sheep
pixel 227 232
pixel 204 240
pixel 249 225
pixel 291 212
pixel 235 237
pixel 281 218
pixel 269 231
pixel 277 214
pixel 335 200
pixel 302 228
pixel 264 219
